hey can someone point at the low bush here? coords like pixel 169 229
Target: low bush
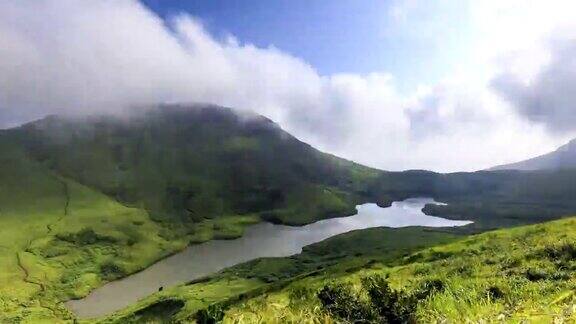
pixel 429 287
pixel 494 293
pixel 111 271
pixel 161 311
pixel 439 255
pixel 562 252
pixel 534 274
pixel 382 305
pixel 300 295
pixel 393 306
pixel 210 315
pixel 343 303
pixel 86 236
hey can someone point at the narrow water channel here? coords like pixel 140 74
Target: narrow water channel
pixel 259 240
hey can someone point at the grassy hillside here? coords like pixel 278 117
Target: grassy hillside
pixel 188 164
pixel 512 275
pixel 59 239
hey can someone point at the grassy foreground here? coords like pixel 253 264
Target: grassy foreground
pixel 513 275
pixel 524 274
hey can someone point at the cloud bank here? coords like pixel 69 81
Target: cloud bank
pixel 94 56
pixel 550 97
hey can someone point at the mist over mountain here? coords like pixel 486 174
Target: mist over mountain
pixel 184 163
pixel 190 162
pixel 562 158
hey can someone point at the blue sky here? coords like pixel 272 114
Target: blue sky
pixel 346 36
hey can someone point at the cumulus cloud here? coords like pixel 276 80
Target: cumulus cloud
pixel 93 56
pixel 549 97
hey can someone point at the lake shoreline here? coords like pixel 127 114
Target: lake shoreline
pixel 189 258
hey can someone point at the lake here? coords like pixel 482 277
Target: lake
pixel 259 240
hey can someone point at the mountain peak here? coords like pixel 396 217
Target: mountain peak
pixel 562 158
pixel 570 146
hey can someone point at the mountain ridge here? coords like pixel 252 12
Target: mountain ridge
pixel 563 157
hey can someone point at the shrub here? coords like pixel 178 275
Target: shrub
pixel 161 311
pixel 268 278
pixel 510 263
pixel 463 270
pixel 428 288
pixel 533 274
pixel 111 271
pixel 562 252
pixel 494 293
pixel 393 306
pixel 300 295
pixel 439 255
pixel 340 301
pixel 86 236
pixel 53 250
pixel 560 275
pixel 383 305
pixel 422 270
pixel 210 315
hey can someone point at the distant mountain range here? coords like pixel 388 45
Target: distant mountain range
pixel 563 158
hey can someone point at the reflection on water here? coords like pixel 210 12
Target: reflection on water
pixel 260 240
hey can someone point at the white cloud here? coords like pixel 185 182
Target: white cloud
pixel 73 56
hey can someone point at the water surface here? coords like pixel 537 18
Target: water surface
pixel 259 240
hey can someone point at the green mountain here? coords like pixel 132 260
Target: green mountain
pixel 562 158
pixel 84 201
pixel 60 239
pixel 87 200
pixel 185 164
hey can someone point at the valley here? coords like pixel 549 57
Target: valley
pixel 258 241
pixel 85 202
pixel 298 162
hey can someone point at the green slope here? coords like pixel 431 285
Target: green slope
pixel 514 275
pixel 43 258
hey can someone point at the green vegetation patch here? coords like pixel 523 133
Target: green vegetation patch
pixel 57 236
pixel 340 255
pixel 514 275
